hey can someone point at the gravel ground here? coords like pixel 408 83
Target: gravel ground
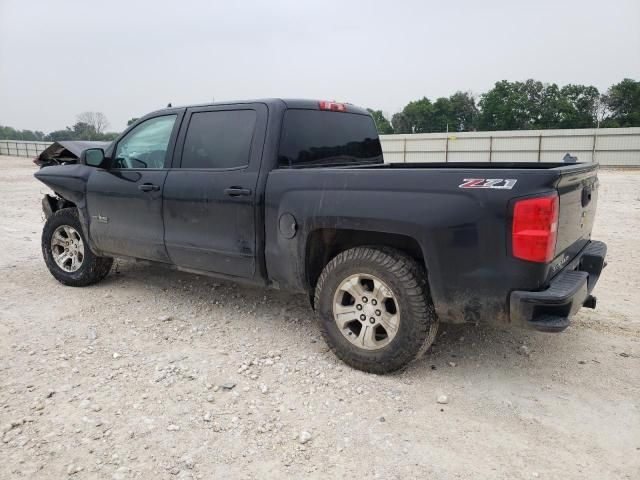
pixel 165 375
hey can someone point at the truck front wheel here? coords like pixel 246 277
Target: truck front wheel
pixel 374 308
pixel 67 254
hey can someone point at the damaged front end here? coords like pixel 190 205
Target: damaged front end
pixel 65 152
pixel 68 183
pixel 53 203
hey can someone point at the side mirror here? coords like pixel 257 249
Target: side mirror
pixel 92 157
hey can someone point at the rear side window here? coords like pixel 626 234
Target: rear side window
pixel 219 139
pixel 322 138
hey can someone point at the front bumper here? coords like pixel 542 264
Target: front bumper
pixel 551 310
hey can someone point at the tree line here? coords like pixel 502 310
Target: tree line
pixel 528 105
pixel 88 126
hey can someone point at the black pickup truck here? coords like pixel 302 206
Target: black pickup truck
pixel 294 194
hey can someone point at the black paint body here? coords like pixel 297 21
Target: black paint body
pixel 270 232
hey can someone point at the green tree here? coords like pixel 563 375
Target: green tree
pixel 548 109
pixel 464 112
pixel 622 101
pixel 456 113
pixel 96 120
pixel 441 116
pixel 10 133
pixel 382 124
pixel 419 115
pixel 135 119
pixel 512 106
pixel 108 136
pixel 59 135
pixel 534 105
pixel 400 123
pixel 84 131
pixel 578 107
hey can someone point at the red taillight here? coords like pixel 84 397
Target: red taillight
pixel 333 106
pixel 535 228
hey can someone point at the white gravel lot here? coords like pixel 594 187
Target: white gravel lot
pixel 126 379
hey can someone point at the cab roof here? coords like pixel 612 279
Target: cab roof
pixel 307 104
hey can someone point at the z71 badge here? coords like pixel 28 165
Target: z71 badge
pixel 499 183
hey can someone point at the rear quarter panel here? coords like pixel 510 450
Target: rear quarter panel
pixel 462 232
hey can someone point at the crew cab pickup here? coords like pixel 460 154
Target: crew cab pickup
pixel 294 194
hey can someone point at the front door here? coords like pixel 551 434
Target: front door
pixel 125 201
pixel 210 194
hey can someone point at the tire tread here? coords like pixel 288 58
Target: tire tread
pixel 418 310
pixel 98 267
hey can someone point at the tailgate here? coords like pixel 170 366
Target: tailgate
pixel 578 192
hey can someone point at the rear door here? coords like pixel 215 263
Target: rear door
pixel 210 193
pixel 125 200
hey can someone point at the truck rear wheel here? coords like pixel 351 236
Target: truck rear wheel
pixel 374 308
pixel 67 254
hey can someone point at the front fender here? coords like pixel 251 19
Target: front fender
pixel 69 182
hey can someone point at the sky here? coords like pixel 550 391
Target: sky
pixel 59 58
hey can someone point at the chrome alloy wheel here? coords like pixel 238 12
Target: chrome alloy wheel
pixel 366 311
pixel 67 248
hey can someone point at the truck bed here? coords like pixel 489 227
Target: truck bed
pixel 463 234
pixel 486 165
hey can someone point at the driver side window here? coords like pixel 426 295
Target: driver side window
pixel 146 145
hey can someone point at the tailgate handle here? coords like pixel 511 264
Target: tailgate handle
pixel 586 196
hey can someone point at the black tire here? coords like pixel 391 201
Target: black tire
pixel 92 269
pixel 407 279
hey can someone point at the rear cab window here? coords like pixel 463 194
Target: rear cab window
pixel 318 138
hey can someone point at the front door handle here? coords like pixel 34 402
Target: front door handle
pixel 237 191
pixel 148 187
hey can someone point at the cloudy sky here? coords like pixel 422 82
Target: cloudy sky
pixel 126 58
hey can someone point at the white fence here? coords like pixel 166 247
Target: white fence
pixel 616 147
pixel 607 146
pixel 21 148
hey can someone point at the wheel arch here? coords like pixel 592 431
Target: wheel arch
pixel 51 204
pixel 93 268
pixel 54 203
pixel 323 244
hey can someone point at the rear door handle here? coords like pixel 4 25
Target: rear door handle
pixel 148 187
pixel 237 191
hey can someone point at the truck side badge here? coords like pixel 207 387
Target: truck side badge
pixel 100 218
pixel 497 183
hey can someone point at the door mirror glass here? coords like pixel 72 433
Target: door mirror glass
pixel 93 157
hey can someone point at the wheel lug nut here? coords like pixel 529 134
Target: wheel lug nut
pixel 359 307
pixel 363 317
pixel 372 320
pixel 374 302
pixel 378 312
pixel 365 299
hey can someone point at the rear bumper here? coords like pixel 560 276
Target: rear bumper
pixel 551 310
